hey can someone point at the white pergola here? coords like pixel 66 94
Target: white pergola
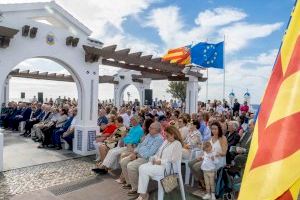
pixel 46 30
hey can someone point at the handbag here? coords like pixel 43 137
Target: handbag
pixel 169 182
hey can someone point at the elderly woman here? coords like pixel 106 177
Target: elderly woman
pixel 170 151
pixel 106 133
pixel 193 140
pixel 47 133
pixel 112 141
pixel 183 127
pixel 132 138
pixel 232 137
pixel 109 130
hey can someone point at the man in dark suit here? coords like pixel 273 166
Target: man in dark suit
pixel 15 115
pixel 57 133
pixel 236 106
pixel 23 116
pixel 11 109
pixel 37 116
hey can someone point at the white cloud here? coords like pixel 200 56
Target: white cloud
pixel 173 33
pixel 97 14
pixel 250 73
pixel 219 17
pixel 268 58
pixel 106 19
pixel 239 35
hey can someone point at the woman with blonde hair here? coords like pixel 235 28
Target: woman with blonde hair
pixel 169 152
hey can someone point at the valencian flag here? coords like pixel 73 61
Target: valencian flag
pixel 179 55
pixel 273 166
pixel 208 55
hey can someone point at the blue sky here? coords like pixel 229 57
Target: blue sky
pixel 253 29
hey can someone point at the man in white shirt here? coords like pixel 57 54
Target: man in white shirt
pixel 126 117
pixel 220 109
pixel 160 111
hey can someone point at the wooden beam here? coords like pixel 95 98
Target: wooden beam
pixel 56 77
pixel 131 67
pixel 196 74
pixel 8 32
pixel 146 58
pixel 24 72
pixel 137 80
pixel 178 78
pixel 144 61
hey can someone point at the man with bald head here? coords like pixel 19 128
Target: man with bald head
pixel 130 164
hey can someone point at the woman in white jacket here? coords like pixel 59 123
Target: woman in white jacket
pixel 170 151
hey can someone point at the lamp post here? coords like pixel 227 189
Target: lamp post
pixel 231 98
pixel 247 97
pixel 128 94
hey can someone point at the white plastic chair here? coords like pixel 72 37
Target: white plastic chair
pixel 197 154
pixel 187 168
pixel 22 126
pixel 177 169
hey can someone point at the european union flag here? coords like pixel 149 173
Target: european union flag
pixel 208 55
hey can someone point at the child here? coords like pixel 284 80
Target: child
pixel 209 169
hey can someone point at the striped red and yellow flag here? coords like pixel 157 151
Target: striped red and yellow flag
pixel 179 55
pixel 273 166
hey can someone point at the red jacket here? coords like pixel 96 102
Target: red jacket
pixel 108 131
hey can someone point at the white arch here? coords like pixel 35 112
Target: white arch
pixel 124 78
pixel 122 90
pixel 86 75
pixel 73 73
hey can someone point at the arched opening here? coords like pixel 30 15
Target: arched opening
pixel 31 86
pixel 31 83
pixel 130 94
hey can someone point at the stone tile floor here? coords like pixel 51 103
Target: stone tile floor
pixel 23 152
pixel 50 176
pixel 42 176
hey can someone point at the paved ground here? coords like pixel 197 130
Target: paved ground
pixel 41 174
pixel 22 152
pixel 58 175
pixel 65 180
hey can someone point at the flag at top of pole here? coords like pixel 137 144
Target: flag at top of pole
pixel 273 166
pixel 208 55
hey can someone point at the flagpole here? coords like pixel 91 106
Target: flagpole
pixel 224 69
pixel 207 85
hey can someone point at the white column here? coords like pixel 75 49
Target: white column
pixel 85 131
pixel 191 100
pixel 116 96
pixel 5 92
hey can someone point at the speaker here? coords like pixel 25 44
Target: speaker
pixel 40 97
pixel 22 95
pixel 25 30
pixel 75 42
pixel 69 40
pixel 33 32
pixel 148 97
pixel 4 41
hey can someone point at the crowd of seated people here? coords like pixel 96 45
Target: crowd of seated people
pixel 142 140
pixel 46 123
pixel 154 136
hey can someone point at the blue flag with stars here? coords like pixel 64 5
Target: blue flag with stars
pixel 208 55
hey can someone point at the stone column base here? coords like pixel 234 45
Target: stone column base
pixel 83 140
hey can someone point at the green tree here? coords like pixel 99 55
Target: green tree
pixel 177 89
